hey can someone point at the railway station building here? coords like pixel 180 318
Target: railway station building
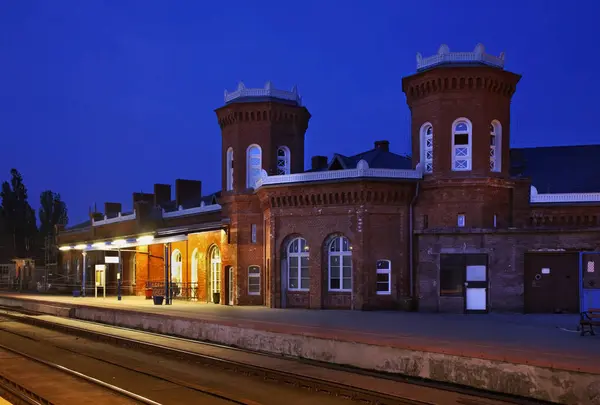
pixel 464 224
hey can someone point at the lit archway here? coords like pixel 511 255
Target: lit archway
pixel 214 257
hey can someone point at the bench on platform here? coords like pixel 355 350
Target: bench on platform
pixel 589 319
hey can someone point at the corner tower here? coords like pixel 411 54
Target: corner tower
pixel 460 113
pixel 261 129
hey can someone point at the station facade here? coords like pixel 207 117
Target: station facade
pixel 465 224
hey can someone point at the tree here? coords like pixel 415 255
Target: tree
pixel 19 217
pixel 52 212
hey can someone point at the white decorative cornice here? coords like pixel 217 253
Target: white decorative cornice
pixel 445 56
pixel 267 91
pixel 362 171
pixel 191 211
pixel 562 198
pixel 118 218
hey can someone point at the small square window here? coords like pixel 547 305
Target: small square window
pixel 461 220
pixel 461 139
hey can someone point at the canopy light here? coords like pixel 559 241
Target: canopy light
pixel 119 242
pixel 80 247
pixel 145 239
pixel 63 248
pixel 99 244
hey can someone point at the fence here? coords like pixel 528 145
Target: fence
pixel 179 291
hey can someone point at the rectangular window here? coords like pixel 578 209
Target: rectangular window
pixel 253 280
pixel 384 277
pixel 253 233
pixel 461 139
pixel 495 221
pixel 425 221
pixel 461 220
pixel 340 273
pixel 453 268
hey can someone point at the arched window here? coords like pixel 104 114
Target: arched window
pixel 340 264
pixel 253 165
pixel 427 147
pixel 298 270
pixel 176 267
pixel 495 146
pixel 194 268
pixel 283 160
pixel 215 272
pixel 229 169
pixel 461 145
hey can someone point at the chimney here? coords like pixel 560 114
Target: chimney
pixel 188 193
pixel 145 197
pixel 162 194
pixel 318 163
pixel 112 209
pixel 383 145
pixel 97 216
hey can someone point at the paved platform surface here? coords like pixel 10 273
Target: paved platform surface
pixel 541 340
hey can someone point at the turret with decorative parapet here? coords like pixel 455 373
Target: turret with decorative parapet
pixel 268 93
pixel 445 57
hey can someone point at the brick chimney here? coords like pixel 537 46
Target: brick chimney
pixel 318 163
pixel 383 145
pixel 146 197
pixel 162 194
pixel 188 193
pixel 112 209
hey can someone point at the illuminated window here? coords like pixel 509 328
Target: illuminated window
pixel 340 264
pixel 253 165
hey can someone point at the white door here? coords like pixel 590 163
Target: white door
pixel 215 273
pixel 476 289
pixel 231 288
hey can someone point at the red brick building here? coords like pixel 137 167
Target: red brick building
pixel 466 224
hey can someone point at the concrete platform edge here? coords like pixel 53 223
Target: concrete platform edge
pixel 563 386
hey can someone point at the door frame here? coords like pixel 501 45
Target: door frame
pixel 478 284
pixel 230 286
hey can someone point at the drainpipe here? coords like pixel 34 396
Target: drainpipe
pixel 410 240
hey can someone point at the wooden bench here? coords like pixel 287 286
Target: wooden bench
pixel 589 319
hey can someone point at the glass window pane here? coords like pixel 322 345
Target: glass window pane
pixel 335 271
pixel 382 287
pixel 294 246
pixel 304 261
pixel 293 283
pixel 335 245
pixel 304 272
pixel 383 278
pixel 347 271
pixel 302 245
pixel 383 265
pixel 347 261
pixel 305 283
pixel 347 284
pixel 334 260
pixel 345 245
pixel 334 283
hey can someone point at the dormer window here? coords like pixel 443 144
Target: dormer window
pixel 427 147
pixel 461 145
pixel 283 160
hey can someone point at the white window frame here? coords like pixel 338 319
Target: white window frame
pixel 462 153
pixel 253 233
pixel 253 167
pixel 426 138
pixel 341 254
pixel 495 146
pixel 461 220
pixel 495 221
pixel 177 265
pixel 387 272
pixel 230 169
pixel 195 267
pixel 215 270
pixel 283 161
pixel 256 278
pixel 296 258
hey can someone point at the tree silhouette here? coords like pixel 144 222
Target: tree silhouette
pixel 18 216
pixel 52 212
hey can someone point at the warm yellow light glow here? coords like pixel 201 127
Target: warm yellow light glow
pixel 119 242
pixel 63 248
pixel 99 244
pixel 80 247
pixel 145 239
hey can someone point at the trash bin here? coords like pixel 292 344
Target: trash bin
pixel 76 293
pixel 148 293
pixel 216 298
pixel 158 299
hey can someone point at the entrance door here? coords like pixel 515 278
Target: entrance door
pixel 230 283
pixel 215 276
pixel 476 288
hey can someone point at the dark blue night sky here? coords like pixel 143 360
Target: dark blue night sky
pixel 99 99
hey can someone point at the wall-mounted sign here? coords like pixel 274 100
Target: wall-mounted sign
pixel 100 267
pixel 545 270
pixel 111 259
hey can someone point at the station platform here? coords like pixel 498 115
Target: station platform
pixel 540 356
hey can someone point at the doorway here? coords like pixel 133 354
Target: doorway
pixel 464 283
pixel 230 285
pixel 194 275
pixel 215 276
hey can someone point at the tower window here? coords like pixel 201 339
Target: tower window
pixel 461 145
pixel 229 169
pixel 461 220
pixel 495 146
pixel 253 165
pixel 426 139
pixel 283 160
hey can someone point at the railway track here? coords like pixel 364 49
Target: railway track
pixel 328 389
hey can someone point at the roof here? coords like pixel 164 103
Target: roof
pixel 376 158
pixel 209 199
pixel 559 169
pixel 81 225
